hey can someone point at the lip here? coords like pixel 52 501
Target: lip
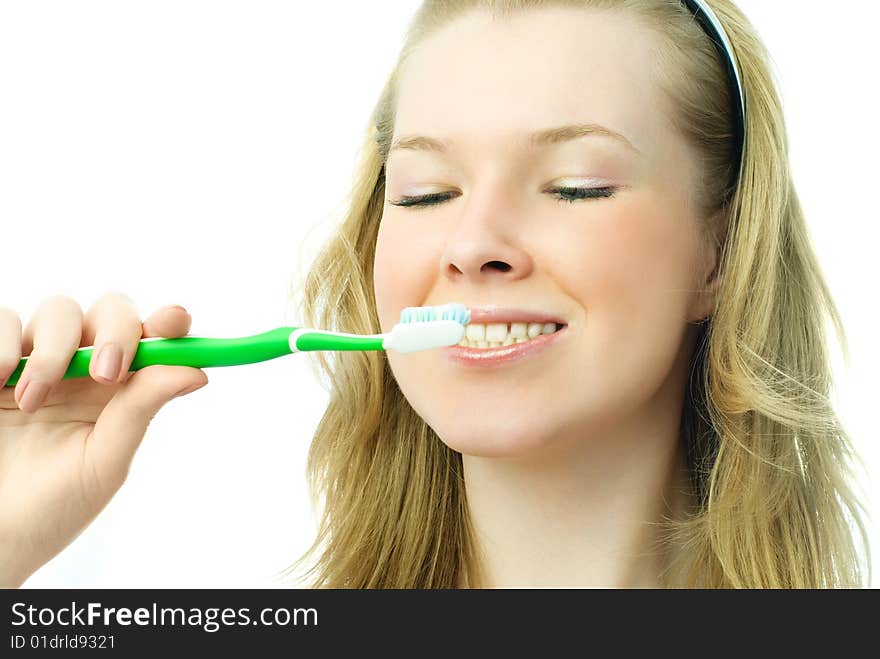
pixel 495 314
pixel 503 355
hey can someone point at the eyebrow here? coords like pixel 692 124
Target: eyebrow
pixel 542 138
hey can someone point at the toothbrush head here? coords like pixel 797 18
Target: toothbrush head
pixel 453 311
pixel 423 328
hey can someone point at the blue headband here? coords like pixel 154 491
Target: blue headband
pixel 712 26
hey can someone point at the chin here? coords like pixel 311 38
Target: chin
pixel 505 436
pixel 520 424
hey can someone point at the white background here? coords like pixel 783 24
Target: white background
pixel 194 152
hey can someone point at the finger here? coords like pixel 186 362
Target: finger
pixel 106 305
pixel 10 344
pixel 170 322
pixel 51 337
pixel 113 326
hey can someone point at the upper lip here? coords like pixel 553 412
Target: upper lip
pixel 496 314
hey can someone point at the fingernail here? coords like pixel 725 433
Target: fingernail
pixel 109 362
pixel 188 390
pixel 33 396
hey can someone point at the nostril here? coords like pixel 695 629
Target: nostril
pixel 499 265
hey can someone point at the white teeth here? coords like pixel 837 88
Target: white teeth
pixel 476 332
pixel 495 335
pixel 519 330
pixel 496 332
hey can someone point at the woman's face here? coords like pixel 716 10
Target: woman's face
pixel 622 272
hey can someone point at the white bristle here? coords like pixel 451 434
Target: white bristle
pixel 452 311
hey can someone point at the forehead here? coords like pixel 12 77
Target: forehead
pixel 481 76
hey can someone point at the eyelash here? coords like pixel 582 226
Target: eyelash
pixel 575 194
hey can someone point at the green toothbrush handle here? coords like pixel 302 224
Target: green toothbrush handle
pixel 204 352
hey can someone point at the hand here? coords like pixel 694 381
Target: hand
pixel 66 445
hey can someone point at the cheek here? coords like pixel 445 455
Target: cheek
pixel 639 262
pixel 402 271
pixel 632 277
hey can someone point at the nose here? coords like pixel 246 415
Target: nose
pixel 487 244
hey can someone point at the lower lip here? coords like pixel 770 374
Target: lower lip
pixel 490 357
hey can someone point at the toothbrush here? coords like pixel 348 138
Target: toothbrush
pixel 420 328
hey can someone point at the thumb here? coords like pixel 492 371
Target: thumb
pixel 124 420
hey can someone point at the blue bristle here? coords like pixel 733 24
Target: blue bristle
pixel 452 311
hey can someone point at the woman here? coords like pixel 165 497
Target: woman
pixel 567 163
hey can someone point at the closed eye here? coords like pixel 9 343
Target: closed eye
pixel 568 195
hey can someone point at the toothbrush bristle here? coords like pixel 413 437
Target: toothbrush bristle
pixel 453 311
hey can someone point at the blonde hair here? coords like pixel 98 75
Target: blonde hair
pixel 769 460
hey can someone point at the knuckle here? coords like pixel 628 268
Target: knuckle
pixel 10 325
pixel 115 300
pixel 113 318
pixel 7 315
pixel 115 314
pixel 61 302
pixel 54 311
